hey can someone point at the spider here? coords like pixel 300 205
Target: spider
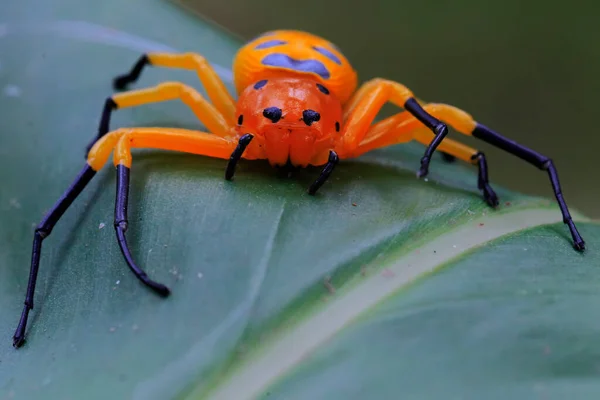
pixel 297 106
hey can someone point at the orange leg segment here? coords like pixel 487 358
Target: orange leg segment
pixel 403 127
pixel 204 111
pixel 182 140
pixel 362 109
pixel 215 88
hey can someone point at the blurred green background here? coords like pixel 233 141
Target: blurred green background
pixel 529 69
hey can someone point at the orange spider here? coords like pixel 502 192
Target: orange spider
pixel 297 106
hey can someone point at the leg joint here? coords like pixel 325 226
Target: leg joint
pixel 121 224
pixel 441 129
pixel 477 156
pixel 547 164
pixel 42 231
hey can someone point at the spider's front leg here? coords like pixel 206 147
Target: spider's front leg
pixel 182 140
pixel 361 110
pixel 120 143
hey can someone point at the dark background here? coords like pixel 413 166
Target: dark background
pixel 529 69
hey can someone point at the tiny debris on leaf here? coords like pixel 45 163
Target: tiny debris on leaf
pixel 507 204
pixel 388 273
pixel 200 275
pixel 481 224
pixel 112 329
pixel 102 225
pixel 353 204
pixel 328 285
pixel 15 203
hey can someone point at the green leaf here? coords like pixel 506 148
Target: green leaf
pixel 274 291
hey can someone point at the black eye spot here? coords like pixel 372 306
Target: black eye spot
pixel 310 116
pixel 322 88
pixel 272 113
pixel 337 126
pixel 260 84
pixel 240 119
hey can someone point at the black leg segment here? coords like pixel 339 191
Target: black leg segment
pixel 334 159
pixel 483 182
pixel 121 225
pixel 237 154
pixel 542 162
pixel 121 81
pixel 440 130
pixel 42 231
pixel 103 127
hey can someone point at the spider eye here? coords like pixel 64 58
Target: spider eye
pixel 272 113
pixel 310 116
pixel 260 84
pixel 322 88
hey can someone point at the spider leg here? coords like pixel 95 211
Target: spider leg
pixel 121 141
pixel 362 109
pixel 204 111
pixel 540 161
pixel 402 128
pixel 121 225
pixel 236 155
pixel 42 231
pixel 215 88
pixel 467 154
pixel 325 173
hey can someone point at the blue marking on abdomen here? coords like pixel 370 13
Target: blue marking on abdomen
pixel 270 43
pixel 284 61
pixel 328 54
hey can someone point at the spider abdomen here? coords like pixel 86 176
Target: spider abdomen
pixel 287 53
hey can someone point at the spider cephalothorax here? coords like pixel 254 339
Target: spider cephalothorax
pixel 297 106
pixel 291 119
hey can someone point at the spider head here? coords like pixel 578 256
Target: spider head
pixel 294 120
